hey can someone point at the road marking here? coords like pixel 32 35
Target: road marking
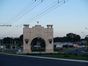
pixel 58 59
pixel 73 60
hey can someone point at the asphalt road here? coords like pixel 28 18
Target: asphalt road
pixel 8 60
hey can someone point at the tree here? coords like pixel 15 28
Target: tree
pixel 60 39
pixel 8 42
pixel 56 39
pixel 86 38
pixel 21 40
pixel 73 37
pixel 70 37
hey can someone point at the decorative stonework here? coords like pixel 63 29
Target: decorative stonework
pixel 38 31
pixel 26 41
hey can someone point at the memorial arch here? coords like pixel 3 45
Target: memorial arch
pixel 38 39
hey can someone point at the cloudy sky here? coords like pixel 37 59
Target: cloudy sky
pixel 68 16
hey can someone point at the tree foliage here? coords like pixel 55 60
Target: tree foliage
pixel 70 37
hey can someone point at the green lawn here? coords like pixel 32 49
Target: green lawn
pixel 62 55
pixel 54 55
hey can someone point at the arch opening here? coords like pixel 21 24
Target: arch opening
pixel 38 45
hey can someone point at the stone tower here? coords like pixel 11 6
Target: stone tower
pixel 38 38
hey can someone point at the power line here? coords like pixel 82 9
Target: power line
pixel 49 9
pixel 5 25
pixel 28 11
pixel 24 12
pixel 48 3
pixel 52 6
pixel 41 0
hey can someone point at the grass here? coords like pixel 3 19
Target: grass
pixel 62 55
pixel 54 55
pixel 9 51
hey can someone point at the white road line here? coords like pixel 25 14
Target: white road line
pixel 48 58
pixel 58 59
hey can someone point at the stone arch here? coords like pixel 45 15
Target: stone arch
pixel 38 44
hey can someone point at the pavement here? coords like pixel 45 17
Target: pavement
pixel 15 60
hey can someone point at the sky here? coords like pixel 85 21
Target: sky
pixel 68 17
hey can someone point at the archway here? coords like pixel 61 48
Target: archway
pixel 38 45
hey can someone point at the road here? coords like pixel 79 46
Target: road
pixel 10 60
